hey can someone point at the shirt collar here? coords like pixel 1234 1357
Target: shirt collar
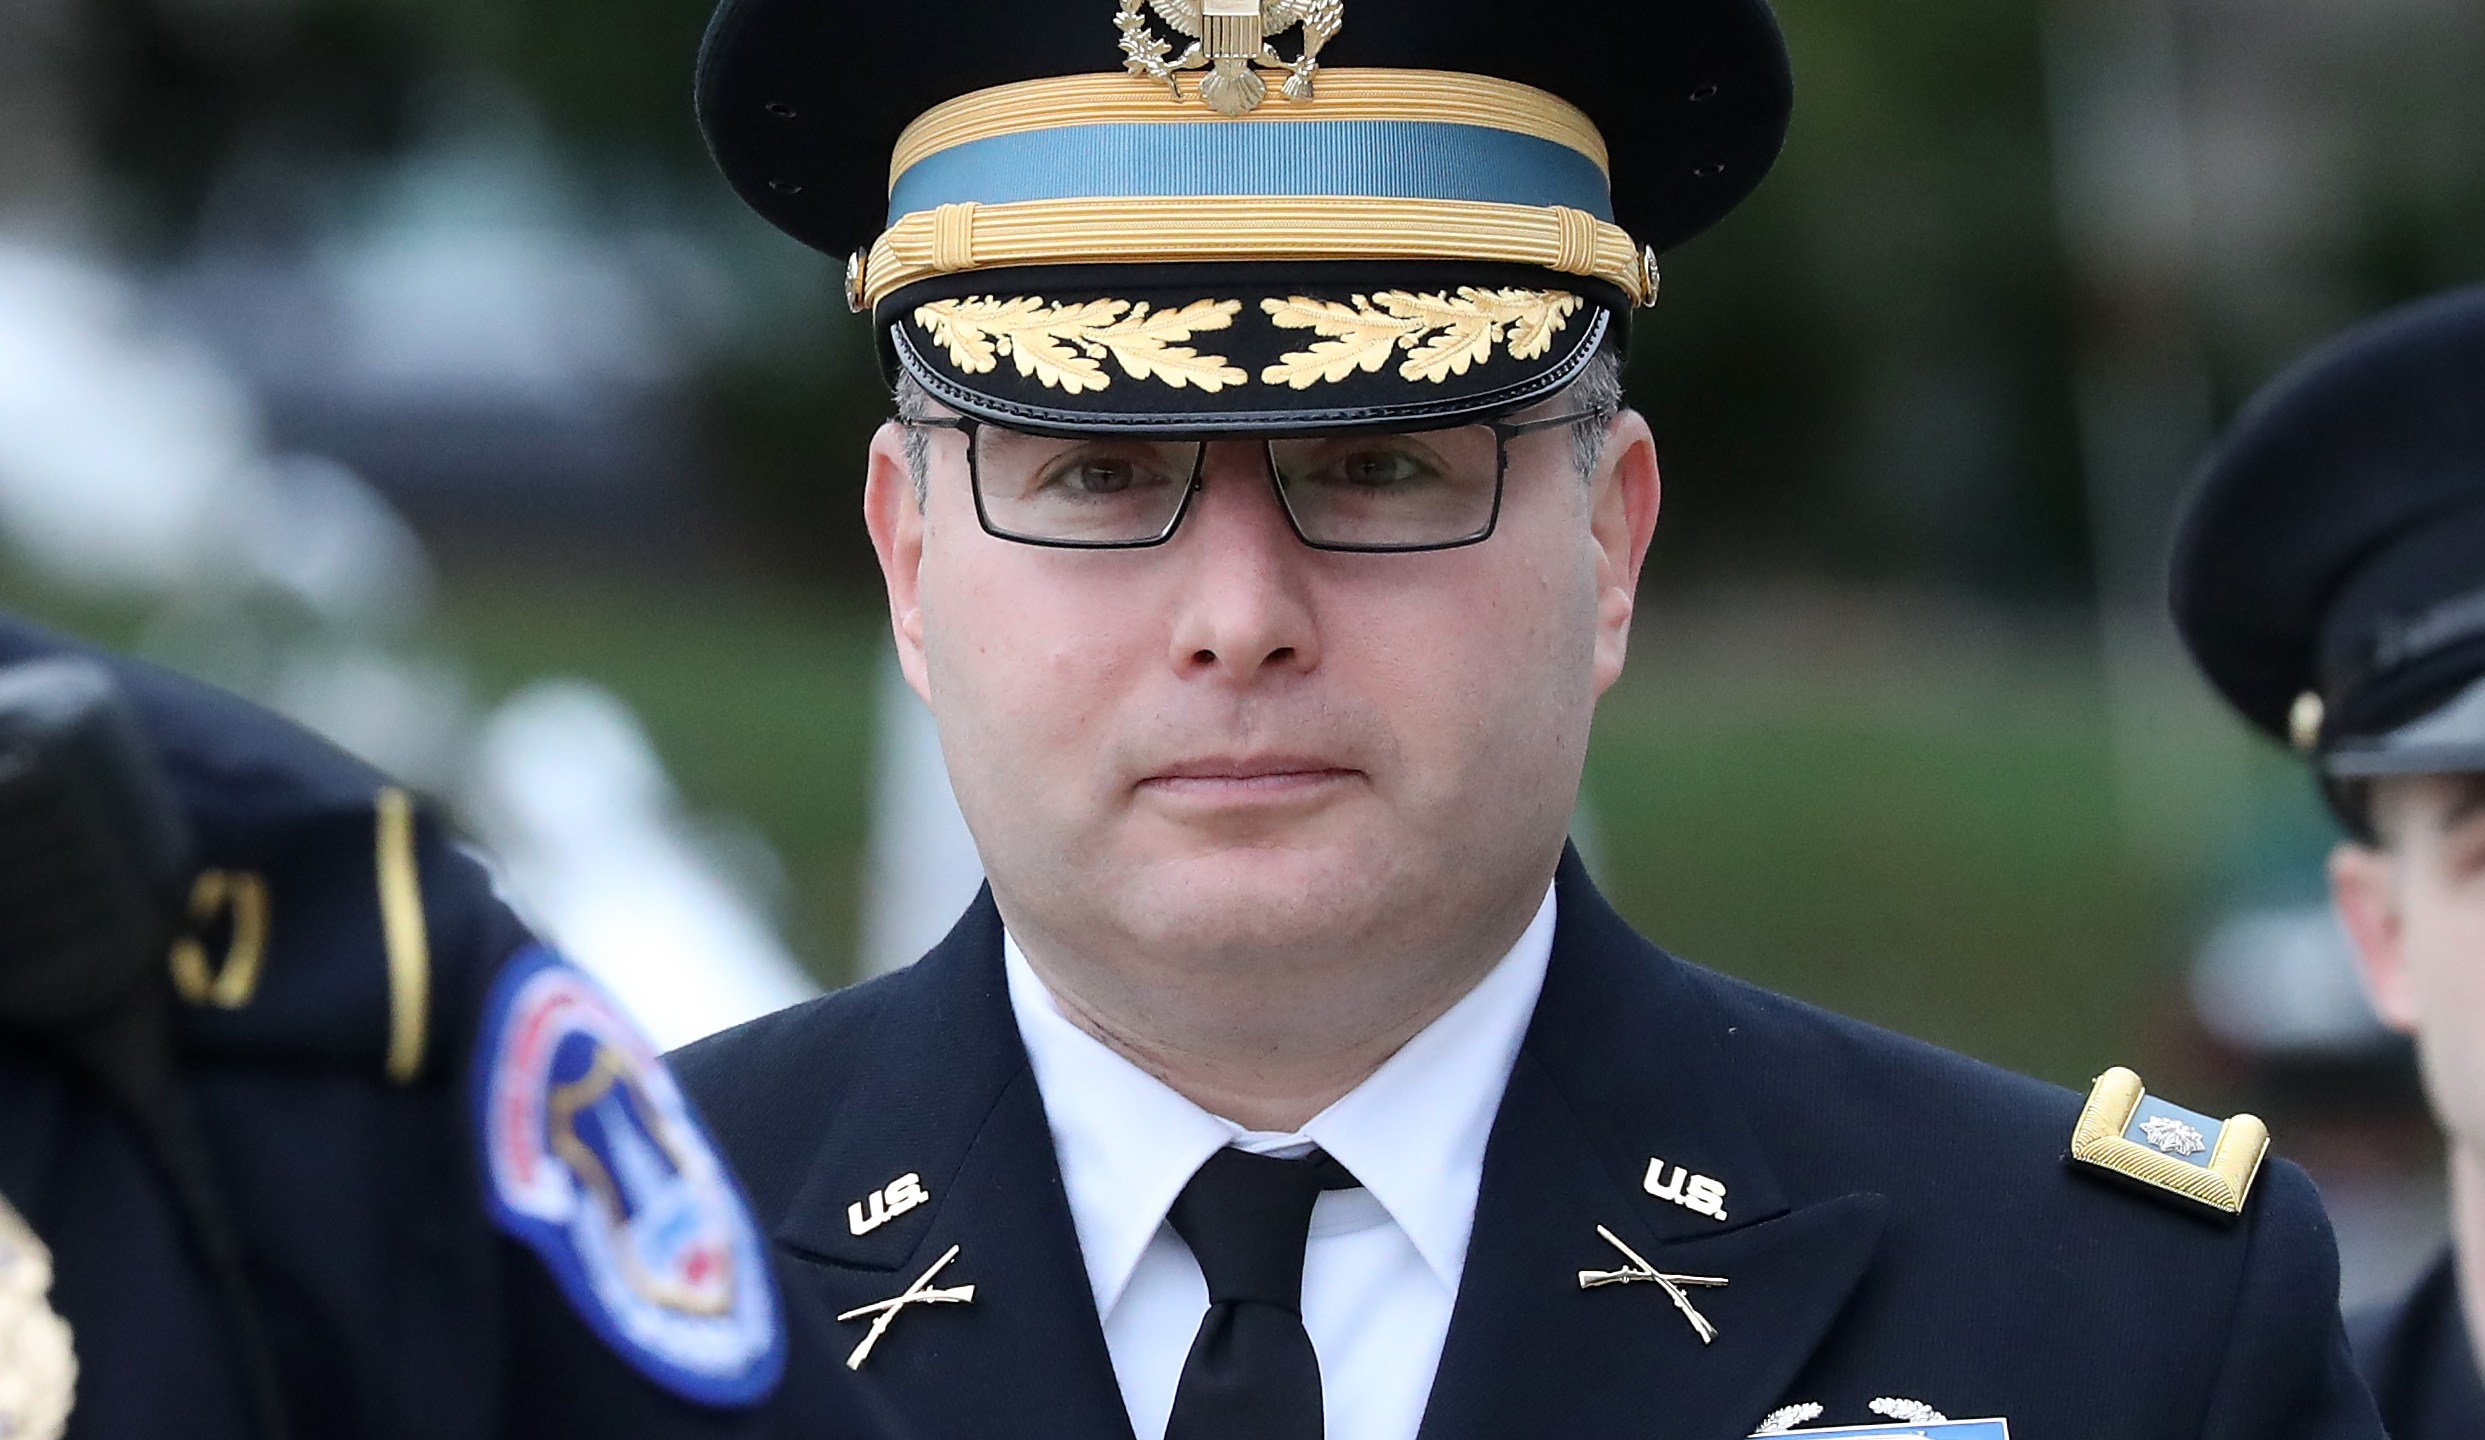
pixel 1414 1132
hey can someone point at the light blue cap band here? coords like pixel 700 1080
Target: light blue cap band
pixel 1383 159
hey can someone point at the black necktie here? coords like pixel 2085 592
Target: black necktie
pixel 1251 1374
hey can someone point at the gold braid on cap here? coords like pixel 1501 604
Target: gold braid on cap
pixel 1150 229
pixel 1160 229
pixel 1065 101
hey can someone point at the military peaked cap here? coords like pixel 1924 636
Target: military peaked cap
pixel 1210 216
pixel 2330 574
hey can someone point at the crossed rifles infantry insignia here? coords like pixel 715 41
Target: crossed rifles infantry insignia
pixel 1673 1285
pixel 38 1369
pixel 1230 40
pixel 923 1292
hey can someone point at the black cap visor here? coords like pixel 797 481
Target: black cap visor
pixel 2449 740
pixel 1205 350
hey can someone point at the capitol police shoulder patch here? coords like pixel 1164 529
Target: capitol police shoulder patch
pixel 594 1160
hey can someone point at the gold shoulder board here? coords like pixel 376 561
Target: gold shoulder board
pixel 2133 1134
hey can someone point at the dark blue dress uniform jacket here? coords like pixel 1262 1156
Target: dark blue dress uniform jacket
pixel 2417 1357
pixel 395 1308
pixel 1900 1222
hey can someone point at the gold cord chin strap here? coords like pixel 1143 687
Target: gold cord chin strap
pixel 1147 229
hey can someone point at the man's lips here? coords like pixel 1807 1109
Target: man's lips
pixel 1246 775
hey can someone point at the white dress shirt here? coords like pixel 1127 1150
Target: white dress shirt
pixel 1381 1272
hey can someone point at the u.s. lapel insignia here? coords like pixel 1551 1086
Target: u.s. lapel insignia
pixel 1696 1193
pixel 882 1312
pixel 38 1362
pixel 1640 1270
pixel 887 1203
pixel 2127 1132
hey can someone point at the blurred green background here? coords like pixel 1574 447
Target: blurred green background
pixel 1905 734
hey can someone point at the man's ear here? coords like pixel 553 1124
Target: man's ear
pixel 1622 518
pixel 2365 889
pixel 894 515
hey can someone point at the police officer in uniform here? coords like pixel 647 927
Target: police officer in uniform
pixel 353 1155
pixel 1261 522
pixel 2330 580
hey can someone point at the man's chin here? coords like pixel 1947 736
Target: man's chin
pixel 1258 895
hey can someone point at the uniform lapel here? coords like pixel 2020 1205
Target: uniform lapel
pixel 953 1103
pixel 1621 1067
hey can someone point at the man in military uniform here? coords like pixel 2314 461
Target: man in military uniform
pixel 1261 523
pixel 2330 579
pixel 394 1170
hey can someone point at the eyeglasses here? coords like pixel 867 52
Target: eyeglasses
pixel 1373 493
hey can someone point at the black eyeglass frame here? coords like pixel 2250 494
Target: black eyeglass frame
pixel 1504 431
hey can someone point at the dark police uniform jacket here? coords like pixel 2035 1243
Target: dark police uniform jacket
pixel 2417 1357
pixel 395 1305
pixel 1899 1224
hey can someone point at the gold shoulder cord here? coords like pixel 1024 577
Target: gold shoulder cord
pixel 405 935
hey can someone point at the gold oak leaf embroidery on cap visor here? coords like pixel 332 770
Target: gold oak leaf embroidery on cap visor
pixel 1064 346
pixel 1443 334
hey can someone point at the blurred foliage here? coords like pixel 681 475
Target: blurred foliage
pixel 1923 846
pixel 790 425
pixel 176 95
pixel 759 700
pixel 1864 372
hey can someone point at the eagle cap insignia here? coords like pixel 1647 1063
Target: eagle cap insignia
pixel 1230 39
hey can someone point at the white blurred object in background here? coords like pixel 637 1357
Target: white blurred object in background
pixel 923 867
pixel 121 447
pixel 406 715
pixel 2281 982
pixel 312 529
pixel 133 463
pixel 572 803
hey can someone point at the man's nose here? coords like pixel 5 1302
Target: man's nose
pixel 1245 605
